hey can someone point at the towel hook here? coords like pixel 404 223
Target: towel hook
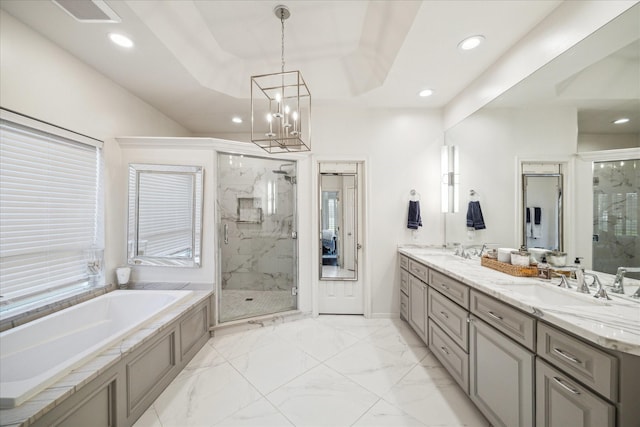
pixel 414 194
pixel 473 194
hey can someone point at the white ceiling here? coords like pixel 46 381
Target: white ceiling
pixel 193 59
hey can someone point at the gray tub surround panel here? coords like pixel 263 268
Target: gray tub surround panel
pixel 614 325
pixel 526 361
pixel 118 385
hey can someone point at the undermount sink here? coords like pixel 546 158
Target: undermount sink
pixel 547 294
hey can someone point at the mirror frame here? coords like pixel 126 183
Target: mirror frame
pixel 353 277
pixel 135 170
pixel 559 204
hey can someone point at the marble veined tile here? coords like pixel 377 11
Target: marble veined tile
pixel 355 325
pixel 258 414
pixel 207 357
pixel 234 345
pixel 273 365
pixel 398 337
pixel 316 338
pixel 322 397
pixel 204 397
pixel 384 414
pixel 376 368
pixel 430 395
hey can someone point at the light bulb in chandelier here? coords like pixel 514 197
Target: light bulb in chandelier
pixel 286 124
pixel 270 134
pixel 295 131
pixel 278 113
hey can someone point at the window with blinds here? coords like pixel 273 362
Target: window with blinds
pixel 51 216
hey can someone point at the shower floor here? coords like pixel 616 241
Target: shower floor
pixel 240 304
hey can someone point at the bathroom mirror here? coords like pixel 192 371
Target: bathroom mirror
pixel 542 210
pixel 560 112
pixel 165 215
pixel 338 226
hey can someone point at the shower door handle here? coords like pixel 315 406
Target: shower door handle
pixel 226 233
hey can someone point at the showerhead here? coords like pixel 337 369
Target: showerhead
pixel 280 171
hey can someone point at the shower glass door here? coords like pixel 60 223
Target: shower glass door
pixel 615 215
pixel 257 236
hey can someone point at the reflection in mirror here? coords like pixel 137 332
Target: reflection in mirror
pixel 542 208
pixel 565 108
pixel 165 215
pixel 338 226
pixel 615 215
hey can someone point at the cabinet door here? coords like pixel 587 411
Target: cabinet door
pixel 563 402
pixel 417 306
pixel 501 377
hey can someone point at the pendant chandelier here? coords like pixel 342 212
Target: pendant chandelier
pixel 281 106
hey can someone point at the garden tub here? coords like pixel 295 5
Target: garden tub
pixel 35 355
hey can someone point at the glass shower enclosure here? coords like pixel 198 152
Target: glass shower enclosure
pixel 615 215
pixel 258 255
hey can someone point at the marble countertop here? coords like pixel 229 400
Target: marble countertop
pixel 30 411
pixel 613 324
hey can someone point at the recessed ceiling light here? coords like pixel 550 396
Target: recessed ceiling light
pixel 121 40
pixel 236 119
pixel 471 42
pixel 621 121
pixel 426 92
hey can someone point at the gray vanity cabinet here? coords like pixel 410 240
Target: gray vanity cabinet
pixel 413 295
pixel 418 306
pixel 501 376
pixel 563 402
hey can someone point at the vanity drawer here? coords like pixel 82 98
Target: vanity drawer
pixel 560 398
pixel 587 364
pixel 456 291
pixel 404 262
pixel 451 318
pixel 404 281
pixel 506 319
pixel 419 270
pixel 453 358
pixel 404 306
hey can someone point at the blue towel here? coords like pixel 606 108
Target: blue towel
pixel 414 220
pixel 474 216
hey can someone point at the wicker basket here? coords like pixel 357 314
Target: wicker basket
pixel 513 270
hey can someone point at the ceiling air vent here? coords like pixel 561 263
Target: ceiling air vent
pixel 96 11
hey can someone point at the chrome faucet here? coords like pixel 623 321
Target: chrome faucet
pixel 564 282
pixel 617 287
pixel 600 292
pixel 582 284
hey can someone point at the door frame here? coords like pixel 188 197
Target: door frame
pixel 363 257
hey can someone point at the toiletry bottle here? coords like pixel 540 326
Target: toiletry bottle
pixel 544 270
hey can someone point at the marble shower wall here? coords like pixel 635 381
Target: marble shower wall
pixel 616 186
pixel 258 207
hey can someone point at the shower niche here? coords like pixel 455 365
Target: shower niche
pixel 250 210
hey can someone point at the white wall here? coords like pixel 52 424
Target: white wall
pixel 40 80
pixel 401 151
pixel 491 143
pixel 611 141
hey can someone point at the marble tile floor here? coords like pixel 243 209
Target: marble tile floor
pixel 326 371
pixel 241 304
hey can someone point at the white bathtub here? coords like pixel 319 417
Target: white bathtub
pixel 37 354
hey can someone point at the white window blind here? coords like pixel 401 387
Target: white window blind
pixel 50 210
pixel 165 214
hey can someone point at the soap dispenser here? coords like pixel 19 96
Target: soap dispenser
pixel 544 270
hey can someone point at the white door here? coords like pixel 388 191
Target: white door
pixel 340 289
